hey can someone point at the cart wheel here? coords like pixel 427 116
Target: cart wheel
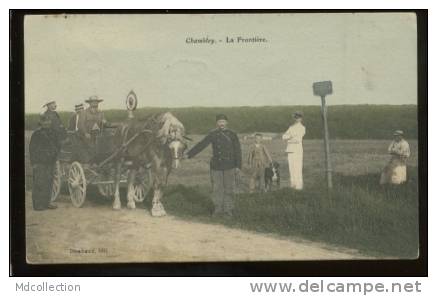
pixel 77 184
pixel 141 186
pixel 56 185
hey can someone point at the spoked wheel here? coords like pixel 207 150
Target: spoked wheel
pixel 56 185
pixel 142 185
pixel 77 184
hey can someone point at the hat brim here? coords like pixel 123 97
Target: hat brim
pixel 90 101
pixel 46 104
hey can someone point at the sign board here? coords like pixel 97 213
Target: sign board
pixel 322 88
pixel 131 101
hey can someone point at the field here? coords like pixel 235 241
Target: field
pixel 359 219
pixel 345 122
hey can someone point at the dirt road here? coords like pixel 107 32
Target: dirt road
pixel 96 233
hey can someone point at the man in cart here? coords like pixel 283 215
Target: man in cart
pixel 56 123
pixel 90 125
pixel 73 124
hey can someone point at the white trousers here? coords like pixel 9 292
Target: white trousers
pixel 295 164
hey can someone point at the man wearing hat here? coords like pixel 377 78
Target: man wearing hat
pixel 294 136
pixel 395 172
pixel 73 124
pixel 56 124
pixel 80 149
pixel 225 164
pixel 90 124
pixel 43 149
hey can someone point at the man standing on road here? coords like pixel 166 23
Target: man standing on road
pixel 294 136
pixel 225 164
pixel 43 149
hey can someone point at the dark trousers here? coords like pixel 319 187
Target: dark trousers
pixel 223 190
pixel 42 185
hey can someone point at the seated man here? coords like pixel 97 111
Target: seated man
pixel 56 123
pixel 78 147
pixel 90 125
pixel 73 124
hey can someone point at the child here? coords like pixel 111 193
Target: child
pixel 259 158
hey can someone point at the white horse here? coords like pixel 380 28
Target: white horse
pixel 158 143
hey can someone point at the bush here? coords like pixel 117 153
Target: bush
pixel 345 122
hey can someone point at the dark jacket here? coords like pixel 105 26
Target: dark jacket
pixel 226 150
pixel 74 121
pixel 44 147
pixel 57 125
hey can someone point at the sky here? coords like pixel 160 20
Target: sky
pixel 369 57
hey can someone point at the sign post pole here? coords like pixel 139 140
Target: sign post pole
pixel 328 166
pixel 322 89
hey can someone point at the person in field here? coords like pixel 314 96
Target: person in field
pixel 395 172
pixel 43 150
pixel 294 136
pixel 225 164
pixel 258 159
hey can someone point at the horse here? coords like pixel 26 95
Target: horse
pixel 158 143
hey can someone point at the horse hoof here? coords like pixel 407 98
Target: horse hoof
pixel 158 212
pixel 131 205
pixel 116 206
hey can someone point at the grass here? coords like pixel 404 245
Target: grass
pixel 360 214
pixel 345 121
pixel 379 221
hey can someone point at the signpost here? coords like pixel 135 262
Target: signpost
pixel 322 89
pixel 131 103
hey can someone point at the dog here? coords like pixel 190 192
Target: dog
pixel 272 176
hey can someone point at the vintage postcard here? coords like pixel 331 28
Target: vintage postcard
pixel 221 137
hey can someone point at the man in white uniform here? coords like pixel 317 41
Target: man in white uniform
pixel 294 150
pixel 395 172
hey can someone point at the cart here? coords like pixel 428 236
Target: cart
pixel 79 176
